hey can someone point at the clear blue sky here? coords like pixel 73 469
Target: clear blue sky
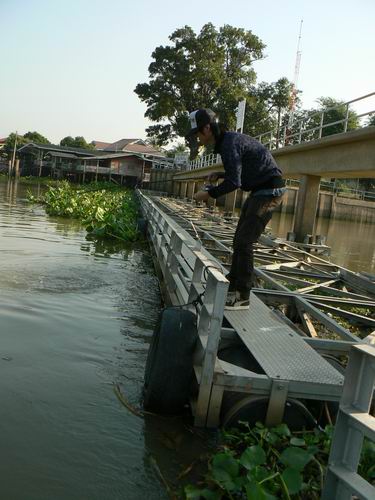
pixel 69 67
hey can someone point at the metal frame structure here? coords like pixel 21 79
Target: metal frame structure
pixel 353 423
pixel 192 247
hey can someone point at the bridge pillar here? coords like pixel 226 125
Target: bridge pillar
pixel 211 202
pixel 190 189
pixel 157 186
pixel 230 201
pixel 306 207
pixel 183 189
pixel 170 188
pixel 161 180
pixel 195 188
pixel 176 188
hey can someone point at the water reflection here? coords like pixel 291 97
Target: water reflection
pixel 352 243
pixel 76 316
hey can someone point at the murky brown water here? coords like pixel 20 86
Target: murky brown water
pixel 352 243
pixel 75 319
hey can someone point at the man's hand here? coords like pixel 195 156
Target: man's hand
pixel 201 196
pixel 214 177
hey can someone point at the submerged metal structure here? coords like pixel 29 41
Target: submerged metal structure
pixel 305 316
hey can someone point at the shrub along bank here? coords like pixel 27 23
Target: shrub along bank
pixel 106 210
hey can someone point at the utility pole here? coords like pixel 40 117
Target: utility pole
pixel 14 154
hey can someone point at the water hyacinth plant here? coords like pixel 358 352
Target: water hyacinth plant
pixel 268 464
pixel 106 210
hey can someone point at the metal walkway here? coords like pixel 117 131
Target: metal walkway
pixel 279 350
pixel 301 310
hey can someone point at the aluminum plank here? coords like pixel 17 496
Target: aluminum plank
pixel 280 351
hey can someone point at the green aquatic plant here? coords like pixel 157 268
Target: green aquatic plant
pixel 264 464
pixel 106 210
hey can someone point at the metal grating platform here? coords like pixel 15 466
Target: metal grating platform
pixel 280 351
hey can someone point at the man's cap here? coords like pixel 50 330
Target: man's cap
pixel 199 118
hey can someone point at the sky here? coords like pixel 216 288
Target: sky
pixel 69 67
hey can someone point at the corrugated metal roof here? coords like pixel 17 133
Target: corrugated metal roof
pixel 62 155
pixel 119 145
pixel 100 144
pixel 62 149
pixel 140 148
pixel 110 155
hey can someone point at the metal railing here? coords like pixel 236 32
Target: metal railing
pixel 189 273
pixel 353 424
pixel 205 161
pixel 303 132
pixel 164 164
pixel 338 190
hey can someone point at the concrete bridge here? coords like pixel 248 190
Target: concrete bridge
pixel 345 155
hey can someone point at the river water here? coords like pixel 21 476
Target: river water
pixel 75 319
pixel 352 243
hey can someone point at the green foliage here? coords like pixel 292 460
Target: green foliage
pixel 36 138
pixel 106 210
pixel 76 142
pixel 30 179
pixel 210 69
pixel 179 148
pixel 8 149
pixel 334 110
pixel 260 463
pixel 265 106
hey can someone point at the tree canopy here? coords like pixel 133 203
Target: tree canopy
pixel 266 104
pixel 210 69
pixel 34 137
pixel 76 142
pixel 334 111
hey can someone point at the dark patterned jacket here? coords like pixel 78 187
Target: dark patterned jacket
pixel 247 165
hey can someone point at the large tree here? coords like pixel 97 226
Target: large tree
pixel 266 105
pixel 34 137
pixel 76 142
pixel 210 69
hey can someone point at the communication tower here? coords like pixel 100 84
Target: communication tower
pixel 293 95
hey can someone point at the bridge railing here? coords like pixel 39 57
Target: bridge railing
pixel 339 190
pixel 303 132
pixel 205 161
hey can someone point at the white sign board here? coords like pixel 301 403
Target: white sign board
pixel 240 115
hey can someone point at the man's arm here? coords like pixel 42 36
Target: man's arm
pixel 232 172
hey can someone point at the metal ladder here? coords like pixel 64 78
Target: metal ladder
pixel 352 425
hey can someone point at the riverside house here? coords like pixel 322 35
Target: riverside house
pixel 128 161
